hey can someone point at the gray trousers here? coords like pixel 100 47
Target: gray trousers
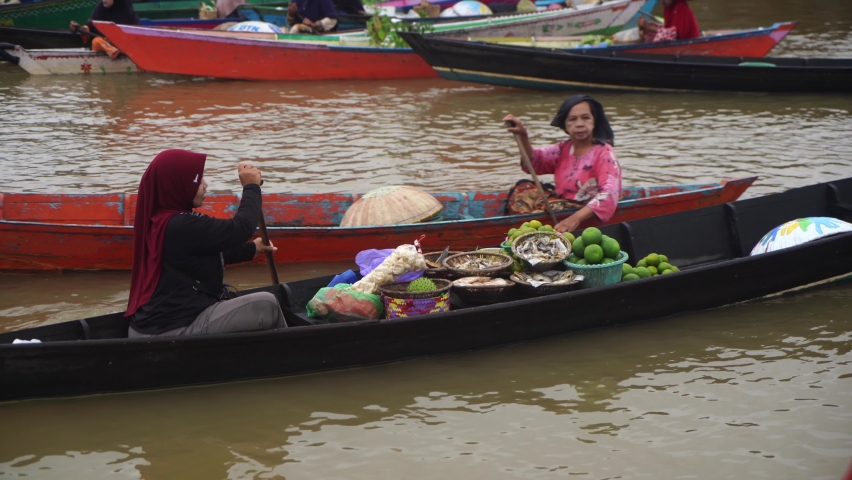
pixel 247 313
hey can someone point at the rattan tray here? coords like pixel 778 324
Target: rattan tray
pixel 452 263
pixel 482 294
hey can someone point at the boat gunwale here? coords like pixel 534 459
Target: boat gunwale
pixel 710 187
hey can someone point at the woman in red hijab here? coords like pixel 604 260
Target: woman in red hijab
pixel 680 23
pixel 176 287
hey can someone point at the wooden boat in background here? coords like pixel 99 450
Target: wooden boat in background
pixel 71 61
pixel 711 245
pixel 96 231
pixel 591 69
pixel 49 14
pixel 248 57
pixel 39 38
pixel 743 43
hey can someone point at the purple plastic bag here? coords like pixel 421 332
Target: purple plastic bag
pixel 368 260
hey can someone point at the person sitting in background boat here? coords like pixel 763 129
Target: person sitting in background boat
pixel 117 11
pixel 312 16
pixel 228 8
pixel 176 285
pixel 585 167
pixel 680 23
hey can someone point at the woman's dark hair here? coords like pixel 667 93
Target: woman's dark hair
pixel 602 132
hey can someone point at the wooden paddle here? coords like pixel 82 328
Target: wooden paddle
pixel 270 260
pixel 528 165
pixel 273 273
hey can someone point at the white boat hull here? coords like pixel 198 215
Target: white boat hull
pixel 62 61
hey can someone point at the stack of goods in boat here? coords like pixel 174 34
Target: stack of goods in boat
pixel 650 266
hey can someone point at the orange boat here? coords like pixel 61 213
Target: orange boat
pixel 95 232
pixel 258 57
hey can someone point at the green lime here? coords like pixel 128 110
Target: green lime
pixel 663 266
pixel 593 254
pixel 512 231
pixel 606 260
pixel 525 224
pixel 674 269
pixel 630 277
pixel 578 247
pixel 592 236
pixel 663 258
pixel 581 261
pixel 653 260
pixel 642 263
pixel 626 268
pixel 543 228
pixel 642 272
pixel 535 224
pixel 666 272
pixel 610 247
pixel 653 270
pixel 573 258
pixel 569 236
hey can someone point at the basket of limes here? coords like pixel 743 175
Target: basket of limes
pixel 597 257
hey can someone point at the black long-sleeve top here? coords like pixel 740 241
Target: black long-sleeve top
pixel 199 247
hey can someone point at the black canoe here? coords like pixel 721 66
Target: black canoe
pixel 35 38
pixel 710 244
pixel 590 69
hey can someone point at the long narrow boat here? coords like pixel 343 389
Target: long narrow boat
pixel 711 244
pixel 726 43
pixel 589 69
pixel 71 61
pixel 247 57
pixel 95 231
pixel 223 55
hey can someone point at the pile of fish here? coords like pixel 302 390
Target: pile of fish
pixel 541 248
pixel 550 277
pixel 473 262
pixel 481 282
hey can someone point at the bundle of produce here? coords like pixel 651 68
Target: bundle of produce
pixel 652 265
pixel 403 260
pixel 594 248
pixel 419 297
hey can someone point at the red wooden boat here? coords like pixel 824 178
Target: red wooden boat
pixel 746 43
pixel 227 56
pixel 756 42
pixel 86 232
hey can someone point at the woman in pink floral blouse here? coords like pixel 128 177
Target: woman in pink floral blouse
pixel 585 167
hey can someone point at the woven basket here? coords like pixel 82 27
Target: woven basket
pixel 437 272
pixel 482 294
pixel 453 264
pixel 507 247
pixel 542 266
pixel 546 289
pixel 399 302
pixel 600 275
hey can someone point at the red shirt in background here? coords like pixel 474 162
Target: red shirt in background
pixel 680 16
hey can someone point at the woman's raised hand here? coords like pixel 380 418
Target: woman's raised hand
pixel 514 125
pixel 248 174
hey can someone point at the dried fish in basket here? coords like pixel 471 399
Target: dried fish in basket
pixel 481 290
pixel 547 282
pixel 541 250
pixel 478 264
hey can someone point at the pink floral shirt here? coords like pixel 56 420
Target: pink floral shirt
pixel 593 179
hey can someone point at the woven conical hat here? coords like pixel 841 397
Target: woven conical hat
pixel 391 205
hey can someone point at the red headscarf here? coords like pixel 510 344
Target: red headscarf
pixel 167 188
pixel 680 15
